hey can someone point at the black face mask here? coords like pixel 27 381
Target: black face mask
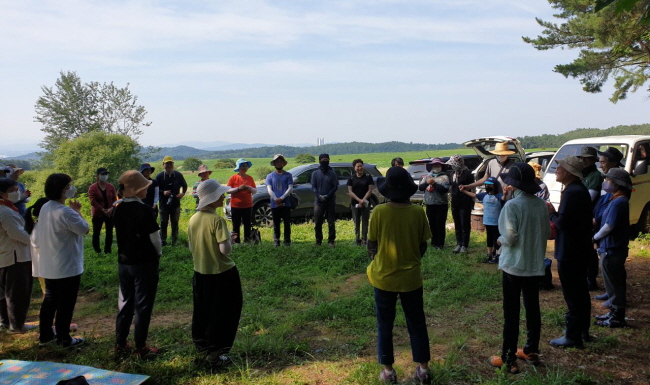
pixel 324 163
pixel 279 168
pixel 489 189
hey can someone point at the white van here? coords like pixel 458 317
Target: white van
pixel 636 154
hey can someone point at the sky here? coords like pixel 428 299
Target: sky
pixel 289 72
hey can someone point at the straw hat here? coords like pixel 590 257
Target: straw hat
pixel 502 149
pixel 203 168
pixel 133 182
pixel 209 191
pixel 538 169
pixel 572 164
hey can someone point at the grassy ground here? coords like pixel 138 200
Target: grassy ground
pixel 308 318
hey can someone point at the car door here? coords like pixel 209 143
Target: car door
pixel 305 195
pixel 343 173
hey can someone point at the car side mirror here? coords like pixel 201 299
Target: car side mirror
pixel 641 167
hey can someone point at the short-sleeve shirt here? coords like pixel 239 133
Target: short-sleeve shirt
pixel 134 222
pixel 617 215
pixel 242 199
pixel 205 231
pixel 360 185
pixel 398 231
pixel 494 168
pixel 279 185
pixel 491 208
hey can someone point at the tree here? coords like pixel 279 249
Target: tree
pixel 626 5
pixel 612 44
pixel 225 163
pixel 305 158
pixel 80 157
pixel 70 109
pixel 191 163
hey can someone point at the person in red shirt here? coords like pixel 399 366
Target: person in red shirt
pixel 102 195
pixel 241 189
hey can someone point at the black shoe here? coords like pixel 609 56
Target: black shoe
pixel 287 243
pixel 601 297
pixel 494 260
pixel 564 342
pixel 603 317
pixel 74 342
pixel 276 243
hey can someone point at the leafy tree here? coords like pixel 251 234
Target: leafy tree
pixel 80 157
pixel 71 108
pixel 305 158
pixel 191 163
pixel 612 44
pixel 225 163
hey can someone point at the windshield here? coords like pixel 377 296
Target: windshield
pixel 574 149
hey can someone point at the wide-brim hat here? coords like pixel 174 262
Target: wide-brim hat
pixel 538 169
pixel 276 157
pixel 501 149
pixel 133 182
pixel 429 166
pixel 209 191
pixel 613 154
pixel 588 152
pixel 620 177
pixel 521 176
pixel 203 168
pixel 145 166
pixel 572 164
pixel 242 161
pixel 398 184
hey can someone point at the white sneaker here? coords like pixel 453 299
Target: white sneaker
pixel 463 249
pixel 456 249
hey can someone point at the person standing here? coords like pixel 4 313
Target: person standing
pixel 172 187
pixel 496 167
pixel 153 191
pixel 59 238
pixel 324 183
pixel 573 223
pixel 435 186
pixel 102 195
pixel 493 200
pixel 397 162
pixel 524 230
pixel 204 174
pixel 279 185
pixel 138 255
pixel 612 241
pixel 25 194
pixel 216 284
pixel 593 181
pixel 461 203
pixel 241 188
pixel 359 189
pixel 397 241
pixel 15 261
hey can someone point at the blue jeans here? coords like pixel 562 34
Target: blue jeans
pixel 413 306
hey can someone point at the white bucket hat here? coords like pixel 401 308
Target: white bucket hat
pixel 209 191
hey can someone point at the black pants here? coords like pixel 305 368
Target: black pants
pixel 437 216
pixel 462 223
pixel 15 294
pixel 138 287
pixel 217 309
pixel 167 215
pixel 513 287
pixel 320 212
pixel 573 277
pixel 492 233
pixel 97 230
pixel 360 218
pixel 281 214
pixel 60 300
pixel 240 216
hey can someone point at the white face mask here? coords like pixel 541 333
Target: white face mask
pixel 436 170
pixel 70 193
pixel 13 197
pixel 103 178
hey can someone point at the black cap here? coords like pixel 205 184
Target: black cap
pixel 321 156
pixel 101 171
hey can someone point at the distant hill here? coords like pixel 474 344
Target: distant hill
pixel 32 156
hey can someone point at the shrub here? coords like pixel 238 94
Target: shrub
pixel 262 172
pixel 305 158
pixel 225 163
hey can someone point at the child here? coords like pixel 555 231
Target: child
pixel 493 200
pixel 397 240
pixel 216 285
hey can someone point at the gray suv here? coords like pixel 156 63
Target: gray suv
pixel 303 196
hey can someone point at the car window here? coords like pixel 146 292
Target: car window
pixel 417 170
pixel 574 149
pixel 305 177
pixel 342 173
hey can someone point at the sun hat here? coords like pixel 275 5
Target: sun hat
pixel 439 161
pixel 209 191
pixel 613 154
pixel 133 182
pixel 538 169
pixel 521 176
pixel 620 177
pixel 15 169
pixel 456 161
pixel 502 149
pixel 276 157
pixel 242 161
pixel 572 164
pixel 145 166
pixel 168 159
pixel 588 152
pixel 398 184
pixel 203 168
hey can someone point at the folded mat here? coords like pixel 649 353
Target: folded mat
pixel 14 372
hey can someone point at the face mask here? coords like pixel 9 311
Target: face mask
pixel 436 170
pixel 489 189
pixel 609 187
pixel 13 197
pixel 324 163
pixel 70 193
pixel 456 167
pixel 279 167
pixel 103 178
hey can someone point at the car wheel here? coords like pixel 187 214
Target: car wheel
pixel 262 214
pixel 644 222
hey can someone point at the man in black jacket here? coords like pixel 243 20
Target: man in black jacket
pixel 170 184
pixel 324 183
pixel 572 248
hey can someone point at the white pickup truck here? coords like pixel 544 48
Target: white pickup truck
pixel 636 155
